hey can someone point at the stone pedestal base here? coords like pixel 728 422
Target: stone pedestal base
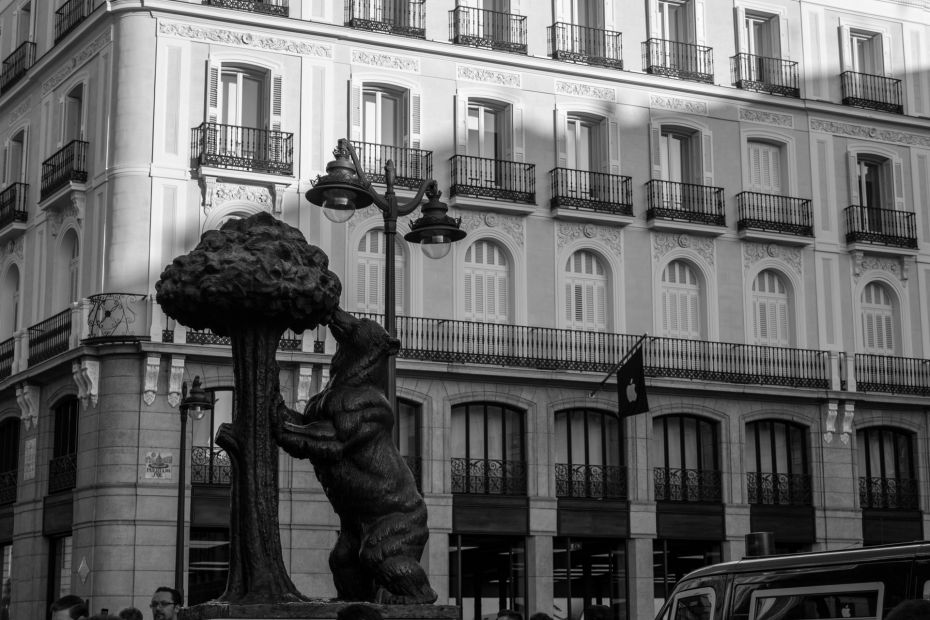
pixel 313 610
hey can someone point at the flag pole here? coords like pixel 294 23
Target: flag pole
pixel 617 366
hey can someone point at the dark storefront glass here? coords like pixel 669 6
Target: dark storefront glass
pixel 487 574
pixel 589 571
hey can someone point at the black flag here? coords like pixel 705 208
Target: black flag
pixel 631 385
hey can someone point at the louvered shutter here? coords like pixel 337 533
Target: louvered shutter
pixel 214 93
pixel 897 171
pixel 6 163
pixel 846 48
pixel 461 125
pixel 517 133
pixel 561 139
pixel 361 286
pixel 611 138
pixel 355 110
pixel 659 152
pixel 852 167
pixel 276 141
pixel 743 43
pixel 707 157
pixel 469 295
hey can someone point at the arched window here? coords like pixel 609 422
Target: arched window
pixel 369 285
pixel 585 292
pixel 686 449
pixel 9 303
pixel 878 320
pixel 777 463
pixel 589 454
pixel 487 283
pixel 681 301
pixel 66 271
pixel 771 310
pixel 887 469
pixel 62 469
pixel 488 451
pixel 9 459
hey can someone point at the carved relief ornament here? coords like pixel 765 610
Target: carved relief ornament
pixel 512 226
pixel 755 252
pixel 608 235
pixel 678 104
pixel 244 39
pixel 396 62
pixel 766 118
pixel 488 76
pixel 663 243
pixel 869 133
pixel 583 89
pixel 12 249
pixel 71 65
pixel 899 267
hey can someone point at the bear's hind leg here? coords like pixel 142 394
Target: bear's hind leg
pixel 404 582
pixel 353 582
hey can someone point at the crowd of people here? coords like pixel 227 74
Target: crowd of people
pixel 165 605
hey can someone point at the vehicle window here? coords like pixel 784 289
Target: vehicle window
pixel 694 605
pixel 849 600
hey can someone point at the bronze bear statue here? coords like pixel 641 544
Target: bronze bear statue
pixel 346 432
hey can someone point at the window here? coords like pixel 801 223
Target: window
pixel 681 301
pixel 879 327
pixel 9 303
pixel 872 182
pixel 583 138
pixel 16 158
pixel 6 578
pixel 407 437
pixel 585 292
pixel 865 52
pixel 849 600
pixel 67 271
pixel 765 168
pixel 887 469
pixel 589 571
pixel 587 13
pixel 685 448
pixel 674 559
pixel 777 463
pixel 74 114
pixel 209 564
pixel 384 116
pixel 59 567
pixel 487 573
pixel 771 310
pixel 589 454
pixel 486 138
pixel 243 96
pixel 761 35
pixel 62 475
pixel 679 153
pixel 676 21
pixel 487 283
pixel 369 285
pixel 488 449
pixel 24 23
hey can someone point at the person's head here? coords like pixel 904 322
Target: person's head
pixel 509 614
pixel 540 616
pixel 597 612
pixel 165 603
pixel 357 611
pixel 69 607
pixel 130 613
pixel 917 609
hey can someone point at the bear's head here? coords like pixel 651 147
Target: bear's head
pixel 363 352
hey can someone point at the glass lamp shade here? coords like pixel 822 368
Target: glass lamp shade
pixel 337 215
pixel 197 412
pixel 436 247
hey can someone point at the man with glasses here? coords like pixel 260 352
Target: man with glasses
pixel 165 603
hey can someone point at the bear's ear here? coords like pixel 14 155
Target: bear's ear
pixel 392 346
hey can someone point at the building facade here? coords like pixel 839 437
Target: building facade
pixel 744 181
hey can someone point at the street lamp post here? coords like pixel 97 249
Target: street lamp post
pixel 345 187
pixel 198 403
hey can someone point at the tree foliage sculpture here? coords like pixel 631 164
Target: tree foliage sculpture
pixel 251 280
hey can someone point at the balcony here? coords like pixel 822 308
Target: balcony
pixel 590 481
pixel 888 493
pixel 678 60
pixel 17 64
pixel 765 75
pixel 488 477
pixel 265 7
pixel 487 29
pixel 243 148
pixel 590 46
pixel 895 375
pixel 596 192
pixel 50 337
pixel 13 210
pixel 411 166
pixel 493 178
pixel 117 317
pixel 687 485
pixel 70 15
pixel 8 487
pixel 290 340
pixel 874 92
pixel 402 17
pixel 67 165
pixel 62 473
pixel 685 202
pixel 886 227
pixel 210 466
pixel 771 213
pixel 7 355
pixel 774 489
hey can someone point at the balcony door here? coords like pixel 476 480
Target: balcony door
pixel 879 329
pixel 777 463
pixel 681 301
pixel 16 158
pixel 875 192
pixel 243 111
pixel 865 52
pixel 9 459
pixel 9 303
pixel 761 39
pixel 585 292
pixel 488 449
pixel 24 23
pixel 74 114
pixel 687 459
pixel 588 454
pixel 887 469
pixel 63 466
pixel 487 283
pixel 765 168
pixel 675 26
pixel 369 285
pixel 771 310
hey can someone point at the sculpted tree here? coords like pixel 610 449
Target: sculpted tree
pixel 251 280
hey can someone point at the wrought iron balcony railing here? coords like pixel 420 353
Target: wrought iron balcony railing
pixel 265 7
pixel 210 466
pixel 17 64
pixel 897 375
pixel 117 317
pixel 493 178
pixel 680 60
pixel 7 355
pixel 50 337
pixel 290 341
pixel 773 213
pixel 488 477
pixel 411 166
pixel 13 205
pixel 488 29
pixel 62 473
pixel 774 489
pixel 881 226
pixel 67 165
pixel 582 44
pixel 687 485
pixel 889 493
pixel 765 75
pixel 591 191
pixel 875 92
pixel 403 17
pixel 8 487
pixel 590 481
pixel 70 15
pixel 243 148
pixel 688 202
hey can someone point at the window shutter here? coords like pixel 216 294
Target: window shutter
pixel 755 166
pixel 519 153
pixel 708 159
pixel 276 102
pixel 414 109
pixel 375 289
pixel 611 133
pixel 561 140
pixel 889 338
pixel 883 55
pixel 569 305
pixel 667 303
pixel 693 316
pixel 461 124
pixel 852 166
pixel 897 170
pixel 480 301
pixel 503 298
pixel 469 296
pixel 399 279
pixel 22 158
pixel 563 11
pixel 655 132
pixel 846 62
pixel 784 339
pixel 741 29
pixel 214 94
pixel 6 163
pixel 361 285
pixel 355 110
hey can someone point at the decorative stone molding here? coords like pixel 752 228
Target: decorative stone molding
pixel 175 379
pixel 583 89
pixel 27 397
pixel 488 76
pixel 608 235
pixel 395 62
pixel 74 211
pixel 251 40
pixel 509 224
pixel 830 422
pixel 766 118
pixel 71 65
pixel 227 192
pixel 678 104
pixel 360 216
pixel 19 111
pixel 663 243
pixel 12 250
pixel 898 266
pixel 83 570
pixel 150 382
pixel 86 375
pixel 755 252
pixel 304 385
pixel 869 133
pixel 849 410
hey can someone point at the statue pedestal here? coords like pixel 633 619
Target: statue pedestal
pixel 313 610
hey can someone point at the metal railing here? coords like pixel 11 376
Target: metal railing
pixel 591 191
pixel 210 466
pixel 488 476
pixel 775 489
pixel 687 485
pixel 881 226
pixel 493 178
pixel 70 15
pixel 243 148
pixel 875 92
pixel 766 75
pixel 266 7
pixel 13 206
pixel 115 317
pixel 774 213
pixel 290 340
pixel 17 64
pixel 689 202
pixel 897 375
pixel 62 473
pixel 889 493
pixel 7 355
pixel 411 166
pixel 681 60
pixel 590 481
pixel 592 46
pixel 49 337
pixel 488 29
pixel 8 487
pixel 67 165
pixel 403 17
